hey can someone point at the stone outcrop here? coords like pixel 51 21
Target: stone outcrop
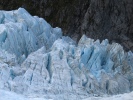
pixel 98 19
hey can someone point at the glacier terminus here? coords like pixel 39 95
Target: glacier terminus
pixel 37 61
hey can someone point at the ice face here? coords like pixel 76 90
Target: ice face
pixel 55 65
pixel 95 68
pixel 21 33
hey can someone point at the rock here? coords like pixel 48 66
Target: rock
pixel 99 19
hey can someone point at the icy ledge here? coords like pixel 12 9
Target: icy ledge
pixel 64 70
pixel 13 96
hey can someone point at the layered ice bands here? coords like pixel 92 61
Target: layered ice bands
pixel 53 66
pixel 21 33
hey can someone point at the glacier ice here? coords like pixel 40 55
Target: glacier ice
pixel 21 34
pixel 13 96
pixel 35 59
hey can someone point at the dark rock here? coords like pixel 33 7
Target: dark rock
pixel 110 19
pixel 99 19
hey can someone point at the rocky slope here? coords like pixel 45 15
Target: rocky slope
pixel 55 66
pixel 98 19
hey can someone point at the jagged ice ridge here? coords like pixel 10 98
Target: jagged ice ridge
pixel 36 60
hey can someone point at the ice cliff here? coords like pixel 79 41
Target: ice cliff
pixel 36 60
pixel 21 34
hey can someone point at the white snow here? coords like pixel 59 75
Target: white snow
pixel 126 96
pixel 6 95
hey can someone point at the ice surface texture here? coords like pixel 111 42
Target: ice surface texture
pixel 21 33
pixel 13 96
pixel 54 66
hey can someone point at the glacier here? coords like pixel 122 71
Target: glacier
pixel 37 61
pixel 13 96
pixel 21 34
